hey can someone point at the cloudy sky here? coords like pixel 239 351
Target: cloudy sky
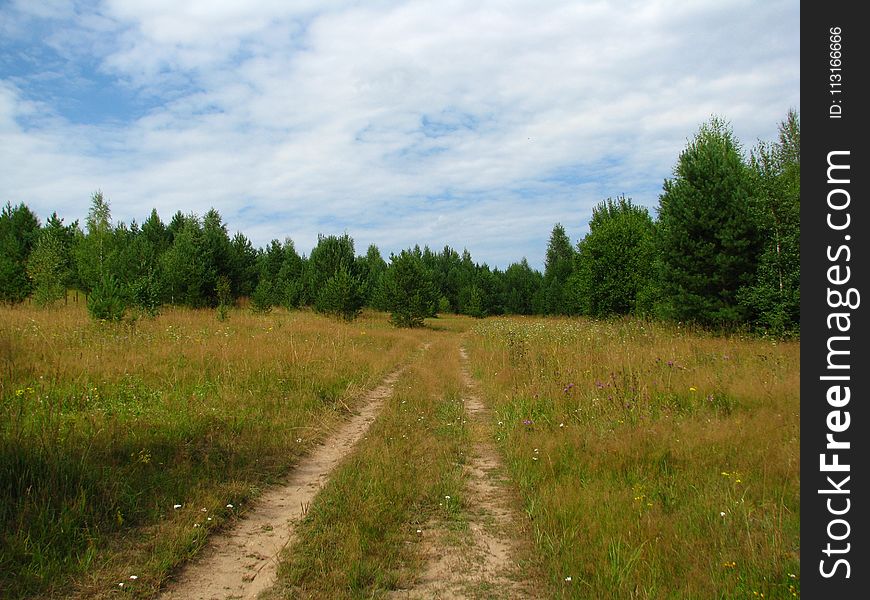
pixel 474 124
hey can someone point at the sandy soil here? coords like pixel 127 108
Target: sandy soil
pixel 242 562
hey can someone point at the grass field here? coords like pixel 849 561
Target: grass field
pixel 105 429
pixel 654 462
pixel 651 461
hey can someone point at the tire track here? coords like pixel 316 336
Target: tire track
pixel 481 563
pixel 240 563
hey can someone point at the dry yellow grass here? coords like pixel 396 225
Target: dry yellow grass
pixel 106 428
pixel 655 462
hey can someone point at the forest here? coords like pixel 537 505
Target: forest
pixel 722 252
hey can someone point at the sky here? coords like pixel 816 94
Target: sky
pixel 478 125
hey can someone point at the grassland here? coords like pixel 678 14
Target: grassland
pixel 651 461
pixel 105 430
pixel 358 538
pixel 654 462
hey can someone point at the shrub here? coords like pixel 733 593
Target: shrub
pixel 106 301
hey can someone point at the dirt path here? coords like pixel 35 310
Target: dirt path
pixel 241 562
pixel 479 562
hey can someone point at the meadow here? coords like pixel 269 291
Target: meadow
pixel 122 446
pixel 649 460
pixel 655 461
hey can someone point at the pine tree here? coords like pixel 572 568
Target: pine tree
pixel 521 285
pixel 330 255
pixel 49 265
pixel 106 301
pixel 409 293
pixel 341 295
pixel 214 253
pixel 19 230
pixel 708 241
pixel 182 270
pixel 243 269
pixel 557 269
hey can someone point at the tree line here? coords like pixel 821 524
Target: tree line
pixel 723 251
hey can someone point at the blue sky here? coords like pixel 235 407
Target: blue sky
pixel 474 124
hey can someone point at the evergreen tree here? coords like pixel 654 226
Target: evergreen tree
pixel 269 260
pixel 145 249
pixel 106 301
pixel 450 268
pixel 341 295
pixel 372 269
pixel 521 284
pixel 263 298
pixel 471 301
pixel 19 230
pixel 182 270
pixel 214 253
pixel 557 269
pixel 290 279
pixel 330 255
pixel 50 264
pixel 708 240
pixel 408 290
pixel 243 268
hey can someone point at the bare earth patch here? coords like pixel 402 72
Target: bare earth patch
pixel 480 561
pixel 242 562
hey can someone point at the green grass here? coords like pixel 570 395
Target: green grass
pixel 667 462
pixel 652 461
pixel 105 429
pixel 359 537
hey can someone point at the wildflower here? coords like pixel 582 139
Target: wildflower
pixel 568 579
pixel 229 506
pixel 561 424
pixel 203 510
pixel 134 577
pixel 693 389
pixel 176 506
pixel 527 421
pixel 722 514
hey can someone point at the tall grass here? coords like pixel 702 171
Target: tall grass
pixel 359 538
pixel 106 429
pixel 667 462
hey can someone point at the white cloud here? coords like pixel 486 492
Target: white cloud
pixel 290 116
